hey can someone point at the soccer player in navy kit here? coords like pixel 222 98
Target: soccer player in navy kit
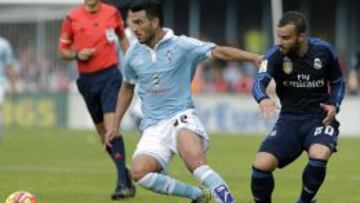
pixel 310 86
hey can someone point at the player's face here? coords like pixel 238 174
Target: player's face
pixel 288 40
pixel 143 27
pixel 91 2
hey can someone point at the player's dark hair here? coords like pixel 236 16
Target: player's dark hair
pixel 153 9
pixel 297 19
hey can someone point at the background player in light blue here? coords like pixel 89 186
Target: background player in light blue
pixel 162 66
pixel 7 70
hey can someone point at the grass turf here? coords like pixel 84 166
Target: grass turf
pixel 70 166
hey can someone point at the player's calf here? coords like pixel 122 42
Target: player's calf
pixel 313 177
pixel 262 185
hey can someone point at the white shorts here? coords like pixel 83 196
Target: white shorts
pixel 160 140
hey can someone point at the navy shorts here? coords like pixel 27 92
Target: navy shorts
pixel 100 91
pixel 294 134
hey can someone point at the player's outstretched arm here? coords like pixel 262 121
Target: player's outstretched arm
pixel 123 102
pixel 234 54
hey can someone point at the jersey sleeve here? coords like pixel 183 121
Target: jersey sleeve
pixel 119 24
pixel 66 34
pixel 128 71
pixel 334 71
pixel 197 50
pixel 336 80
pixel 264 75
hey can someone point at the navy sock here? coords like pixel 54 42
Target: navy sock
pixel 117 153
pixel 313 176
pixel 262 185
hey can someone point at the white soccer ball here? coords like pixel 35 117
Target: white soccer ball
pixel 21 197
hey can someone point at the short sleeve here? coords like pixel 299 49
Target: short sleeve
pixel 128 71
pixel 119 24
pixel 268 63
pixel 66 34
pixel 334 71
pixel 198 50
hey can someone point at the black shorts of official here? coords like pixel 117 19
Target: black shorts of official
pixel 100 91
pixel 293 134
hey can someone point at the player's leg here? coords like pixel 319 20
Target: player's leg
pixel 124 187
pixel 190 140
pixel 262 180
pixel 320 143
pixel 149 165
pixel 280 147
pixel 146 171
pixel 91 88
pixel 192 151
pixel 109 89
pixel 116 152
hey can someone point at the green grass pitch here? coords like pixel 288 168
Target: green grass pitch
pixel 68 166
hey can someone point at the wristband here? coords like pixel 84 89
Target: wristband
pixel 76 56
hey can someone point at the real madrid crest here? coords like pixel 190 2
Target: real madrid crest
pixel 317 64
pixel 287 65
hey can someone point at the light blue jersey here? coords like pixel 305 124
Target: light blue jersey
pixel 6 59
pixel 164 74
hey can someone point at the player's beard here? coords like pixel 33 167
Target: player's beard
pixel 295 48
pixel 150 37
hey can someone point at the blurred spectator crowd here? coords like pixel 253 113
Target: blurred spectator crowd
pixel 42 74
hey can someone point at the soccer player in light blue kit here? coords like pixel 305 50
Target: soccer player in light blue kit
pixel 7 70
pixel 163 65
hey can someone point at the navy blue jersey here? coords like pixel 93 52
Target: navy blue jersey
pixel 302 83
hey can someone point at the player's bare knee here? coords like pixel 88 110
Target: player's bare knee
pixel 138 169
pixel 142 165
pixel 319 151
pixel 265 162
pixel 138 172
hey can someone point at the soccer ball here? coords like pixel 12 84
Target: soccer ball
pixel 21 197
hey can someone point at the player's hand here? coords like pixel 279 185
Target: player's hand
pixel 267 108
pixel 109 136
pixel 330 113
pixel 258 59
pixel 85 54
